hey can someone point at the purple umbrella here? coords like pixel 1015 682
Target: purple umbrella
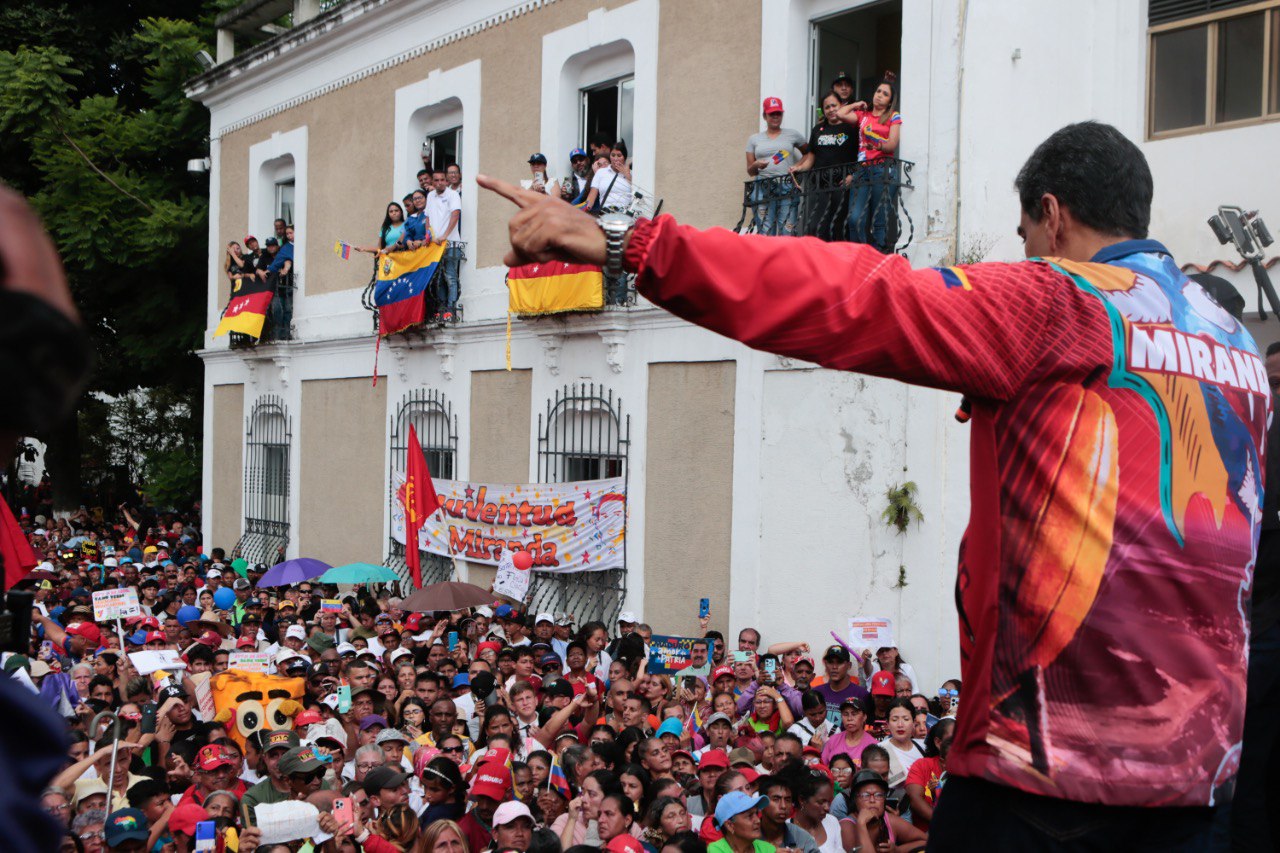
pixel 293 571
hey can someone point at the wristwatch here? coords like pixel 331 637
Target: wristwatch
pixel 615 227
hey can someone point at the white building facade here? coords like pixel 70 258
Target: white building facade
pixel 753 480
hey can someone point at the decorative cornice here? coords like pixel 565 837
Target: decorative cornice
pixel 295 38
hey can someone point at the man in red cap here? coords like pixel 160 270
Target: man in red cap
pixel 489 789
pixel 216 769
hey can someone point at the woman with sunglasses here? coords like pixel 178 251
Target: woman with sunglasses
pixel 871 825
pixel 948 698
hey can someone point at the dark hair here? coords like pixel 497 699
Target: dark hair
pixel 543 840
pixel 646 785
pixel 767 783
pixel 753 631
pixel 811 699
pixel 620 145
pixel 444 770
pixel 874 751
pixel 142 791
pixel 625 806
pixel 1273 348
pixel 422 172
pixel 1096 173
pixel 687 842
pixel 585 632
pixel 599 139
pixel 387 223
pixel 490 713
pixel 891 80
pixel 940 731
pixel 607 781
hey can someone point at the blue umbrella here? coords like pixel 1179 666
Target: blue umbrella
pixel 359 573
pixel 293 571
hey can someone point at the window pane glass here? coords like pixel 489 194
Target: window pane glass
pixel 626 100
pixel 1179 88
pixel 1240 67
pixel 601 114
pixel 1275 62
pixel 284 201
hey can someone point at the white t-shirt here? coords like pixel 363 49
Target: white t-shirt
pixel 900 760
pixel 619 196
pixel 439 206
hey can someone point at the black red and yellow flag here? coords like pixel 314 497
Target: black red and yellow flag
pixel 247 308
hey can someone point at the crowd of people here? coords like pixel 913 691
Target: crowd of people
pixel 487 729
pixel 854 149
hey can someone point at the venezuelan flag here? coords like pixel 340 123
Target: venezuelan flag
pixel 556 779
pixel 554 288
pixel 247 308
pixel 403 278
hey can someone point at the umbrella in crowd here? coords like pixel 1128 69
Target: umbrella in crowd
pixel 447 595
pixel 359 573
pixel 294 571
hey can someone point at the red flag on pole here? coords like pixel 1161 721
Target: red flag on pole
pixel 420 502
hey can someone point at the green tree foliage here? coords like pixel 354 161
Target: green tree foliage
pixel 95 129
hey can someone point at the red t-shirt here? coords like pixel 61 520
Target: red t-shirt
pixel 872 130
pixel 1116 456
pixel 925 772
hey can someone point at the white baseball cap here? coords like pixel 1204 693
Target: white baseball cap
pixel 400 653
pixel 296 632
pixel 628 617
pixel 111 562
pixel 544 617
pixel 485 611
pixel 343 648
pixel 509 811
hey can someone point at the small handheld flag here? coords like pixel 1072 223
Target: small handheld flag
pixel 342 248
pixel 780 156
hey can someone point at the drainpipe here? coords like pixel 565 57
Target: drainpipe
pixel 960 44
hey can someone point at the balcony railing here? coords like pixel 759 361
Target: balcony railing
pixel 279 322
pixel 432 309
pixel 859 203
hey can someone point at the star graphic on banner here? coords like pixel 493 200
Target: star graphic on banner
pixel 586 556
pixel 586 496
pixel 471 493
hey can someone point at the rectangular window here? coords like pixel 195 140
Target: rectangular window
pixel 1214 69
pixel 607 111
pixel 1240 46
pixel 284 201
pixel 444 147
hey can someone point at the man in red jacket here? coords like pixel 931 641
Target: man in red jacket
pixel 1116 466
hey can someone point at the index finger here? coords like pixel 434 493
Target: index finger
pixel 519 197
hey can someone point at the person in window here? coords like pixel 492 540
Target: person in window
pixel 611 186
pixel 416 227
pixel 268 256
pixel 453 176
pixel 540 180
pixel 279 225
pixel 600 143
pixel 842 86
pixel 424 179
pixel 391 233
pixel 252 251
pixel 875 193
pixel 238 265
pixel 832 143
pixel 770 155
pixel 444 212
pixel 577 184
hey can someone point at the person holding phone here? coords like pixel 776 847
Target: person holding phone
pixel 872 826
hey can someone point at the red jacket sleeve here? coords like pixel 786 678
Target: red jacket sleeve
pixel 984 329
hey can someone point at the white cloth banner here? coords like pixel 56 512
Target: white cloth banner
pixel 566 527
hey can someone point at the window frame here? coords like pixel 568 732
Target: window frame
pixel 615 84
pixel 1212 20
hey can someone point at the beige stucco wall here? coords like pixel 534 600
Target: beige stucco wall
pixel 501 401
pixel 706 113
pixel 228 466
pixel 342 470
pixel 349 145
pixel 688 492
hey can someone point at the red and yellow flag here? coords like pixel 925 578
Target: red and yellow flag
pixel 555 287
pixel 247 307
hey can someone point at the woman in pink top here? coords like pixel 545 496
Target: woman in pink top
pixel 852 737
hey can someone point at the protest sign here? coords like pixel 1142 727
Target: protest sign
pixel 287 821
pixel 510 581
pixel 669 655
pixel 151 661
pixel 870 632
pixel 566 527
pixel 204 694
pixel 259 662
pixel 110 604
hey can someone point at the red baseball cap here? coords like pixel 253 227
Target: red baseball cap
pixel 308 717
pixel 185 817
pixel 882 683
pixel 246 643
pixel 155 637
pixel 489 645
pixel 750 773
pixel 624 844
pixel 772 105
pixel 720 672
pixel 88 630
pixel 250 237
pixel 210 638
pixel 211 757
pixel 714 758
pixel 493 780
pixel 413 622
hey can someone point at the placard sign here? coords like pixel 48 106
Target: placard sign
pixel 511 581
pixel 259 662
pixel 870 632
pixel 668 655
pixel 112 604
pixel 153 660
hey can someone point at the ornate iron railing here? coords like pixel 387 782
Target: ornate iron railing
pixel 432 311
pixel 857 202
pixel 583 435
pixel 268 435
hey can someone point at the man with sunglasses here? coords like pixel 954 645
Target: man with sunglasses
pixel 303 771
pixel 275 788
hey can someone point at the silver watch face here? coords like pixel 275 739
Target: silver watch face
pixel 616 221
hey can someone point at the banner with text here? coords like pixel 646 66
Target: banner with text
pixel 565 527
pixel 668 655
